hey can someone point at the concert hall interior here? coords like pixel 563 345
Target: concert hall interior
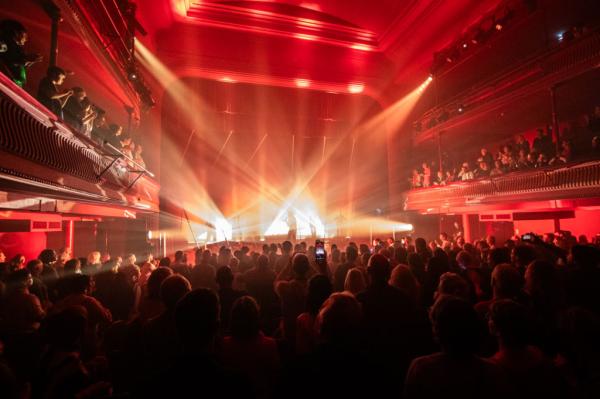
pixel 406 144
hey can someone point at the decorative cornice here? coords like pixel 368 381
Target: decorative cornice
pixel 306 25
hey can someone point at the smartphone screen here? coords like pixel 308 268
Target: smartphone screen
pixel 320 252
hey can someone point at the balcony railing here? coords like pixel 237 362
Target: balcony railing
pixel 542 71
pixel 40 150
pixel 580 180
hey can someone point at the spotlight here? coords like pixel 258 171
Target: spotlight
pixel 361 47
pixel 499 26
pixel 132 76
pixel 465 45
pixel 302 82
pixel 356 88
pixel 461 109
pixel 227 79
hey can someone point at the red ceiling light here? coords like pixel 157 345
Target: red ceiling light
pixel 362 47
pixel 303 83
pixel 356 88
pixel 227 79
pixel 305 36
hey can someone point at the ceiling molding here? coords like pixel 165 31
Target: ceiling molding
pixel 307 25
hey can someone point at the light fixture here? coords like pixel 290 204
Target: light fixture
pixel 305 36
pixel 132 75
pixel 461 109
pixel 356 88
pixel 361 47
pixel 302 83
pixel 227 79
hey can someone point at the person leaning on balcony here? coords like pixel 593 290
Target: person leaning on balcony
pixel 48 93
pixel 417 179
pixel 465 172
pixel 13 59
pixel 74 110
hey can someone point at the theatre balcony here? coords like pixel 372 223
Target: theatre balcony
pixel 563 187
pixel 42 157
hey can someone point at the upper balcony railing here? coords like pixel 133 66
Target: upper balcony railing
pixel 541 71
pixel 42 152
pixel 580 180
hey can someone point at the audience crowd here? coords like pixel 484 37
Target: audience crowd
pixel 73 106
pixel 517 155
pixel 443 318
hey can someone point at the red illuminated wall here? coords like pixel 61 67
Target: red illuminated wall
pixel 28 244
pixel 585 222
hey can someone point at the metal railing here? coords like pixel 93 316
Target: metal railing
pixel 561 182
pixel 29 131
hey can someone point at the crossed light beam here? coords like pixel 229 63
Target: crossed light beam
pixel 199 202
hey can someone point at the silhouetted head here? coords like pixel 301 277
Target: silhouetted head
pixel 507 282
pixel 286 247
pixel 509 321
pixel 351 254
pixel 263 262
pixel 245 318
pixel 155 280
pixel 197 319
pixel 319 289
pixel 300 266
pixel 224 277
pixel 64 331
pixel 48 256
pixel 453 284
pixel 379 269
pixel 339 320
pixel 456 325
pixel 172 289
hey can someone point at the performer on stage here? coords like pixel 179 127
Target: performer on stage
pixel 292 226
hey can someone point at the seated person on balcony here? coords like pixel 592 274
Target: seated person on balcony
pixel 542 161
pixel 416 180
pixel 564 155
pixel 543 144
pixel 74 109
pixel 507 159
pixel 137 156
pixel 13 59
pixel 532 159
pixel 483 170
pixel 522 162
pixel 596 146
pixel 498 170
pixel 594 120
pixel 48 93
pixel 426 175
pixel 89 116
pixel 521 144
pixel 465 172
pixel 113 135
pixel 486 156
pixel 440 178
pixel 101 131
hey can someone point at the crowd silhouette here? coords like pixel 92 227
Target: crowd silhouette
pixel 446 318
